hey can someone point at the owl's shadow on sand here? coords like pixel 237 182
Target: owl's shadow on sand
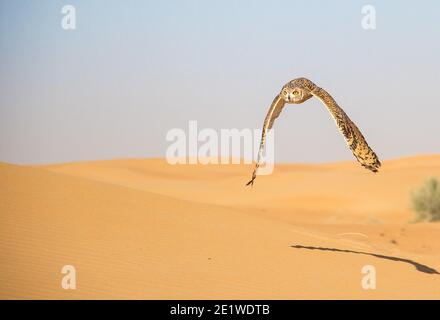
pixel 420 267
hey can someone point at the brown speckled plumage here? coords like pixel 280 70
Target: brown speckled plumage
pixel 301 89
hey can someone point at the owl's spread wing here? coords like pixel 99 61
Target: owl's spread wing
pixel 354 138
pixel 273 113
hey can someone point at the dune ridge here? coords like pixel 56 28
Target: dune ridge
pixel 141 228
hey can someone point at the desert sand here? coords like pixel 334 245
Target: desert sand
pixel 144 229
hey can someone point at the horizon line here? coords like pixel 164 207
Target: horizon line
pixel 241 161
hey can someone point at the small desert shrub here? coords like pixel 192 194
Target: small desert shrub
pixel 426 201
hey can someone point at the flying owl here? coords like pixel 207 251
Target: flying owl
pixel 299 90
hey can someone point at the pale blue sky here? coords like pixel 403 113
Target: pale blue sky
pixel 132 70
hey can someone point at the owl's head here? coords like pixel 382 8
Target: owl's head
pixel 295 94
pixel 297 91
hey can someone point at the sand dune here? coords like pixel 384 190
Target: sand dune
pixel 141 228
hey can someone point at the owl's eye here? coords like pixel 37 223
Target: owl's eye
pixel 296 92
pixel 285 92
